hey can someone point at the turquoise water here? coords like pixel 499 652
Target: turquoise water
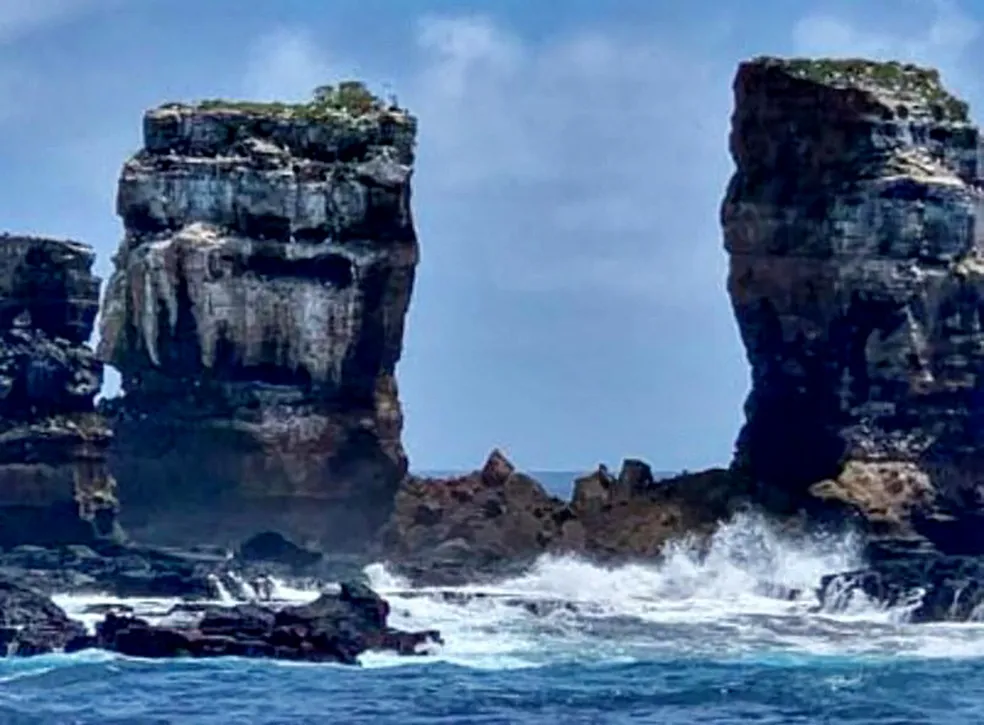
pixel 685 640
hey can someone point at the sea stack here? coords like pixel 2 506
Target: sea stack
pixel 853 225
pixel 55 486
pixel 256 316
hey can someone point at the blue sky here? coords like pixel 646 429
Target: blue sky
pixel 570 303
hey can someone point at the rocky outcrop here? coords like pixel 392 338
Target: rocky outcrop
pixel 54 483
pixel 497 521
pixel 336 627
pixel 256 315
pixel 853 225
pixel 333 628
pixel 31 624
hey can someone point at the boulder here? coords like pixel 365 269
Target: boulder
pixel 333 628
pixel 31 624
pixel 270 546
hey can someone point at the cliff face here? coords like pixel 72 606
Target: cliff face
pixel 256 315
pixel 853 224
pixel 54 483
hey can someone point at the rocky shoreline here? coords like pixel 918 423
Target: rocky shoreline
pixel 256 313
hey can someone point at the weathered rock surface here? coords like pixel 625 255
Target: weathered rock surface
pixel 333 628
pixel 31 624
pixel 54 483
pixel 256 315
pixel 495 522
pixel 853 225
pixel 928 588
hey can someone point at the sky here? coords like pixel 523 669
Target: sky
pixel 570 304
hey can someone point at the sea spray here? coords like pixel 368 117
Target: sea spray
pixel 729 598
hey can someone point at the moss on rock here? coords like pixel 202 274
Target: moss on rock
pixel 907 82
pixel 348 98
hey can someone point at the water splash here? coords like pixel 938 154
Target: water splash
pixel 749 593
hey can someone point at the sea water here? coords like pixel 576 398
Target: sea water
pixel 685 640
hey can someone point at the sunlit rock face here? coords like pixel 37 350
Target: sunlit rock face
pixel 55 486
pixel 853 225
pixel 256 315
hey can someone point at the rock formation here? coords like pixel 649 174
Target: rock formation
pixel 256 315
pixel 54 484
pixel 497 521
pixel 853 225
pixel 336 627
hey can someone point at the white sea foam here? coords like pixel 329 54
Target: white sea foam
pixel 724 603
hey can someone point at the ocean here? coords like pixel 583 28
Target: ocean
pixel 686 640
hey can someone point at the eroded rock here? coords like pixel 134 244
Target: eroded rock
pixel 853 227
pixel 31 624
pixel 333 628
pixel 496 521
pixel 54 483
pixel 256 315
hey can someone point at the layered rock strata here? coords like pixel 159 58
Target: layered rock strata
pixel 256 315
pixel 55 486
pixel 853 226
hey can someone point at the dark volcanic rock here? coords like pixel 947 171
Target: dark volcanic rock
pixel 54 483
pixel 857 279
pixel 256 315
pixel 495 522
pixel 269 546
pixel 929 588
pixel 124 571
pixel 31 624
pixel 333 628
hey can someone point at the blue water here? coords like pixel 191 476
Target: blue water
pixel 671 691
pixel 685 640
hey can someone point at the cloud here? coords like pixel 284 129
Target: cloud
pixel 286 64
pixel 593 161
pixel 590 161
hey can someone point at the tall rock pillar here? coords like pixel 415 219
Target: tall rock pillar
pixel 256 315
pixel 853 225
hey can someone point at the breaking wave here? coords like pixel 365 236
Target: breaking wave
pixel 750 593
pixel 729 633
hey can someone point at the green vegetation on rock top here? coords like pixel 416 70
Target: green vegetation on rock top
pixel 908 82
pixel 348 98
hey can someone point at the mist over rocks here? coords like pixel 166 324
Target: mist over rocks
pixel 256 316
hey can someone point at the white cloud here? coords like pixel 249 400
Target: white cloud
pixel 592 161
pixel 287 65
